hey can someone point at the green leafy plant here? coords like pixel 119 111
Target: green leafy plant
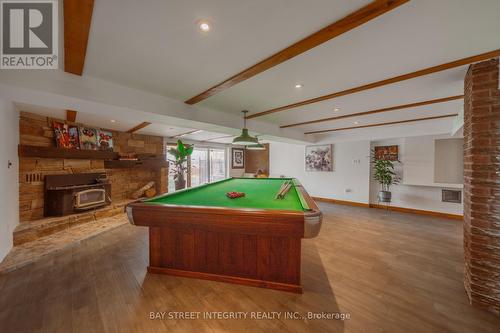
pixel 384 172
pixel 179 165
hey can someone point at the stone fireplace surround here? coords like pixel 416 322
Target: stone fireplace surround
pixel 36 130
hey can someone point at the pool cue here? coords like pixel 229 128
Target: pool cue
pixel 285 191
pixel 283 185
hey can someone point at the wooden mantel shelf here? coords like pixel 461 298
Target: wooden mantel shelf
pixel 53 152
pixel 124 164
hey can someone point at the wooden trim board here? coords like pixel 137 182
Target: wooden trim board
pixel 382 124
pixel 404 77
pixel 71 115
pixel 77 19
pixel 351 21
pixel 138 127
pixel 342 202
pixel 419 211
pixel 391 108
pixel 392 208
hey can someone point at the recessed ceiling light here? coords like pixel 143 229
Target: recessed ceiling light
pixel 298 86
pixel 336 109
pixel 204 26
pixel 113 121
pixel 356 122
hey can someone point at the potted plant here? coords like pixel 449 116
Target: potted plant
pixel 385 175
pixel 179 165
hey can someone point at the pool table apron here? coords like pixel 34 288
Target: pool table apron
pixel 252 247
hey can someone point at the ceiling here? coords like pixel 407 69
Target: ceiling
pixel 123 125
pixel 158 48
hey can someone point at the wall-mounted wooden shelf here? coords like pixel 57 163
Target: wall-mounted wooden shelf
pixel 53 152
pixel 126 164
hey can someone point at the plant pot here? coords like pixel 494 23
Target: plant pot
pixel 384 196
pixel 180 183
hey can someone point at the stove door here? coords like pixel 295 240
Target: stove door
pixel 90 198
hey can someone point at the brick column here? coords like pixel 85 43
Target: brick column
pixel 482 185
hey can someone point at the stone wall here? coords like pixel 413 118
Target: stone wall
pixel 37 130
pixel 482 185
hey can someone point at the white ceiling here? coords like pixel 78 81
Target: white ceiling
pixel 124 124
pixel 156 46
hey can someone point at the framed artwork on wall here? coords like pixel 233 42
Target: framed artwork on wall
pixel 389 153
pixel 88 138
pixel 66 135
pixel 319 158
pixel 238 158
pixel 105 140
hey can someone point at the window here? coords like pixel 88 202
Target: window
pixel 218 169
pixel 199 166
pixel 207 165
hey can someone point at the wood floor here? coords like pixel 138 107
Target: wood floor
pixel 391 272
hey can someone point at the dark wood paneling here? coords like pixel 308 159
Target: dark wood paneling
pixel 257 159
pixel 351 21
pixel 226 254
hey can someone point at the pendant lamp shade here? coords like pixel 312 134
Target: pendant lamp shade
pixel 245 138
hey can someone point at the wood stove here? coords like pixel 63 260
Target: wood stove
pixel 74 193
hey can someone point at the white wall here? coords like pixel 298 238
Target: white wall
pixel 351 170
pixel 288 160
pixel 9 179
pixel 422 172
pixel 449 161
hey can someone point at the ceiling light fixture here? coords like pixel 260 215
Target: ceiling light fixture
pixel 245 138
pixel 336 109
pixel 356 122
pixel 204 26
pixel 113 121
pixel 298 86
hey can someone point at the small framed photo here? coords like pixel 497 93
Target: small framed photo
pixel 319 158
pixel 238 158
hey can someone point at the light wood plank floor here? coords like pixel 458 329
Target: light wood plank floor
pixel 391 272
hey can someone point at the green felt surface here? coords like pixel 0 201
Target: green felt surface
pixel 260 193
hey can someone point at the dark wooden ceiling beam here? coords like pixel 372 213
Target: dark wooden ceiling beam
pixel 351 21
pixel 422 72
pixel 138 127
pixel 71 115
pixel 77 19
pixel 392 108
pixel 382 124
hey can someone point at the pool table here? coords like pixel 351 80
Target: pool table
pixel 253 240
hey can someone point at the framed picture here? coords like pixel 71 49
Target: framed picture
pixel 105 140
pixel 319 158
pixel 66 135
pixel 88 138
pixel 238 158
pixel 389 153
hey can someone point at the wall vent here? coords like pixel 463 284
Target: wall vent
pixel 451 196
